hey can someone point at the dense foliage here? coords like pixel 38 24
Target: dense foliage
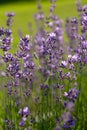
pixel 43 80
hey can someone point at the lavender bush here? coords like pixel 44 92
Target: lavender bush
pixel 43 86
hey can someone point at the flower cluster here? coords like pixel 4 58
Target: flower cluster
pixel 44 83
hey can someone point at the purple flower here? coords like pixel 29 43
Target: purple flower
pixel 9 21
pixel 44 86
pixel 73 94
pixel 73 58
pixel 84 18
pixel 64 64
pixel 25 44
pixel 84 22
pixel 67 75
pixel 28 64
pixel 8 57
pixel 84 44
pixel 84 8
pixel 69 105
pixel 5 47
pixel 26 111
pixel 69 124
pixel 8 32
pixel 7 41
pixel 13 67
pixel 22 123
pixel 39 16
pixel 52 35
pixel 9 18
pixel 74 21
pixel 10 14
pixel 79 6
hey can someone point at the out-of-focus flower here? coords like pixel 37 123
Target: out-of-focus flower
pixel 64 64
pixel 10 14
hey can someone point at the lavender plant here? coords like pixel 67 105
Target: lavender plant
pixel 43 84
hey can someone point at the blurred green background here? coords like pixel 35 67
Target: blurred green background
pixel 25 10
